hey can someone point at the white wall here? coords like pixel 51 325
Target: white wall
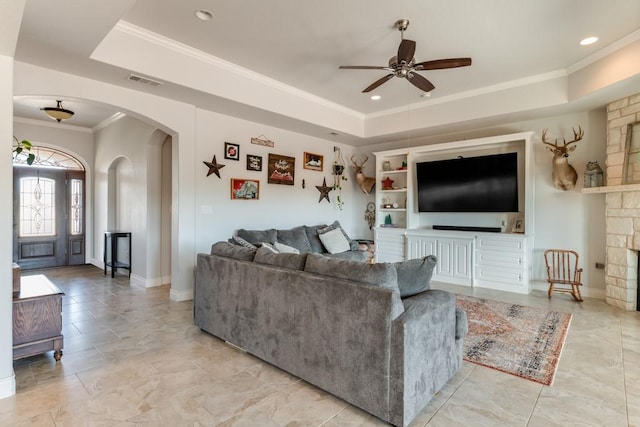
pixel 279 206
pixel 563 219
pixel 7 379
pixel 140 144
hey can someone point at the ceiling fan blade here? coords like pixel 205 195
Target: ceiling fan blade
pixel 362 67
pixel 420 82
pixel 406 50
pixel 377 83
pixel 439 64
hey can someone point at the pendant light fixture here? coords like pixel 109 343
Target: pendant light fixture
pixel 58 113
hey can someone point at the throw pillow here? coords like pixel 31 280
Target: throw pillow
pixel 257 236
pixel 414 275
pixel 314 240
pixel 285 249
pixel 242 242
pixel 269 247
pixel 292 261
pixel 353 245
pixel 334 241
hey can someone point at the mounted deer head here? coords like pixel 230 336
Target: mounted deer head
pixel 366 182
pixel 564 175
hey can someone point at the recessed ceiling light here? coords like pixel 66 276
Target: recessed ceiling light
pixel 204 15
pixel 375 97
pixel 588 41
pixel 425 95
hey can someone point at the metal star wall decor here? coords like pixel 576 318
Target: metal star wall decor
pixel 324 190
pixel 214 167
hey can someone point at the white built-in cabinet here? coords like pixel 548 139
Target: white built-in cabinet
pixel 492 260
pixel 454 254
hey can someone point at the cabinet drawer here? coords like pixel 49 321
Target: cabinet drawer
pixel 499 275
pixel 37 319
pixel 500 259
pixel 502 244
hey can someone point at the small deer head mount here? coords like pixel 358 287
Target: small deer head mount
pixel 366 182
pixel 564 175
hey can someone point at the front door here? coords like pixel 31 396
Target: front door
pixel 48 212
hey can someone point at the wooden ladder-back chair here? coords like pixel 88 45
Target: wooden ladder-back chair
pixel 562 269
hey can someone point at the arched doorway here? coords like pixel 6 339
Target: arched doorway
pixel 49 210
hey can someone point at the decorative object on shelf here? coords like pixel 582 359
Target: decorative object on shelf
pixel 281 169
pixel 518 226
pixel 395 206
pixel 593 175
pixel 564 175
pixel 231 151
pixel 630 174
pixel 404 166
pixel 370 214
pixel 314 162
pixel 58 113
pixel 245 189
pixel 387 184
pixel 214 167
pixel 262 140
pixel 23 146
pixel 387 219
pixel 366 182
pixel 324 190
pixel 254 163
pixel 386 166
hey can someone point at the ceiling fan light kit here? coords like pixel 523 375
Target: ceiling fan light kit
pixel 404 65
pixel 58 113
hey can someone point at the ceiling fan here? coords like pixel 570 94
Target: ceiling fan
pixel 404 65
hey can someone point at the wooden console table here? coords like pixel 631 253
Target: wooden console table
pixel 37 318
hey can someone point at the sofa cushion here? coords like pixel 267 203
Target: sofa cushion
pixel 286 249
pixel 334 241
pixel 295 237
pixel 256 236
pixel 414 275
pixel 314 239
pixel 229 250
pixel 382 275
pixel 286 260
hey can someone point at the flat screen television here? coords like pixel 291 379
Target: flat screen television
pixel 469 184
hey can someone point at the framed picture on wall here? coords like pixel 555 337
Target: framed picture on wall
pixel 254 163
pixel 281 169
pixel 231 151
pixel 245 189
pixel 313 162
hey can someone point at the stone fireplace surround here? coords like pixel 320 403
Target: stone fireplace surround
pixel 622 208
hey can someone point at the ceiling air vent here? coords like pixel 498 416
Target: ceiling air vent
pixel 143 80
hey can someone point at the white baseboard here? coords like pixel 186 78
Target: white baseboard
pixel 166 280
pixel 8 386
pixel 185 295
pixel 144 282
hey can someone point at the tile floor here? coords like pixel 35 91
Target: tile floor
pixel 132 357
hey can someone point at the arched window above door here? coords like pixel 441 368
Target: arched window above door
pixel 49 157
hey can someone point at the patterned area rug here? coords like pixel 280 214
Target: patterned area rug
pixel 519 340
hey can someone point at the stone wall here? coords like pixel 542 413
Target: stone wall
pixel 622 208
pixel 620 114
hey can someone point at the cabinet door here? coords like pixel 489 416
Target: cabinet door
pixel 445 254
pixel 389 245
pixel 420 247
pixel 463 261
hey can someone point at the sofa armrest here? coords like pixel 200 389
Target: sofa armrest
pixel 424 354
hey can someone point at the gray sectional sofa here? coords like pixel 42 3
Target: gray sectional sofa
pixel 341 325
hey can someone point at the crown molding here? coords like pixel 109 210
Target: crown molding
pixel 108 121
pixel 604 52
pixel 167 43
